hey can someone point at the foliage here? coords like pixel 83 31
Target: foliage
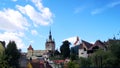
pixel 3 43
pixel 56 56
pixel 56 53
pixel 1 48
pixel 65 50
pixel 114 46
pixel 103 59
pixel 3 61
pixel 72 65
pixel 73 54
pixel 85 62
pixel 73 57
pixel 13 54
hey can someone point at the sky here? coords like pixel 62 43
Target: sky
pixel 28 22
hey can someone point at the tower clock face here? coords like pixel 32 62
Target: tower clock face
pixel 49 46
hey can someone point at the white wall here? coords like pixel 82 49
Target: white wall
pixel 83 53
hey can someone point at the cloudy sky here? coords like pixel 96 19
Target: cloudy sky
pixel 29 21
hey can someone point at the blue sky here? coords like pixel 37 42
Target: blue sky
pixel 29 21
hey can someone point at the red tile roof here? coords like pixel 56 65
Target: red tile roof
pixel 37 64
pixel 81 46
pixel 87 44
pixel 99 44
pixel 58 61
pixel 30 48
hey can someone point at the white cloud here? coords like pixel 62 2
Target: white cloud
pixel 97 11
pixel 12 20
pixel 92 42
pixel 31 42
pixel 14 0
pixel 7 36
pixel 72 40
pixel 46 13
pixel 20 34
pixel 113 4
pixel 41 17
pixel 34 32
pixel 108 6
pixel 79 9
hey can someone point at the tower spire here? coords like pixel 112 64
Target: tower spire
pixel 50 43
pixel 50 36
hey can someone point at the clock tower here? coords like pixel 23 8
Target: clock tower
pixel 50 43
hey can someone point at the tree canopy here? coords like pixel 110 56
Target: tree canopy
pixel 1 48
pixel 13 54
pixel 65 50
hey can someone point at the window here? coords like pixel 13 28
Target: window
pixel 82 53
pixel 84 49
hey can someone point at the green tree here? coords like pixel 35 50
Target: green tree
pixel 114 48
pixel 103 58
pixel 73 57
pixel 3 43
pixel 1 48
pixel 56 53
pixel 73 54
pixel 3 61
pixel 13 54
pixel 65 50
pixel 73 65
pixel 85 62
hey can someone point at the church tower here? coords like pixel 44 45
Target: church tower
pixel 50 43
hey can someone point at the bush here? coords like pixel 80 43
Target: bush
pixel 73 65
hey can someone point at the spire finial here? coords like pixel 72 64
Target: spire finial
pixel 50 32
pixel 50 36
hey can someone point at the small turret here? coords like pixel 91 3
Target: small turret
pixel 30 52
pixel 30 48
